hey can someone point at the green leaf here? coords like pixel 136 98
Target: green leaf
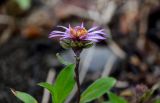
pixel 146 96
pixel 107 102
pixel 157 100
pixel 88 45
pixel 47 86
pixel 97 89
pixel 64 83
pixel 26 98
pixel 24 4
pixel 116 99
pixel 65 44
pixel 61 60
pixel 50 88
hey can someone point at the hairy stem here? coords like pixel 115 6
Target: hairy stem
pixel 77 79
pixel 77 57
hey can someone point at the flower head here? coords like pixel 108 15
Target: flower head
pixel 79 35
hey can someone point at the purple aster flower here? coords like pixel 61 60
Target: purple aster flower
pixel 79 34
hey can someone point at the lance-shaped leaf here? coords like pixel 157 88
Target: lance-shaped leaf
pixel 107 102
pixel 97 89
pixel 64 83
pixel 24 97
pixel 61 60
pixel 24 4
pixel 50 88
pixel 116 99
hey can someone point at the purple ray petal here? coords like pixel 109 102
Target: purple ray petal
pixel 82 26
pixel 89 39
pixel 96 37
pixel 69 27
pixel 52 36
pixel 102 30
pixel 93 28
pixel 96 32
pixel 57 32
pixel 62 38
pixel 63 27
pixel 104 34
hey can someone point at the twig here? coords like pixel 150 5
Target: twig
pixel 108 66
pixel 50 78
pixel 7 32
pixel 117 50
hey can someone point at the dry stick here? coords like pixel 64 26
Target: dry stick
pixel 107 69
pixel 144 13
pixel 50 3
pixel 50 78
pixel 117 50
pixel 108 66
pixel 7 32
pixel 119 53
pixel 84 66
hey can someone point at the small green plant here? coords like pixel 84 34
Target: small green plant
pixel 76 38
pixel 63 85
pixel 144 95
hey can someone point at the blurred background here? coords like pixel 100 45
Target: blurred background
pixel 27 56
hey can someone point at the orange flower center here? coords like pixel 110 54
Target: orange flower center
pixel 78 32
